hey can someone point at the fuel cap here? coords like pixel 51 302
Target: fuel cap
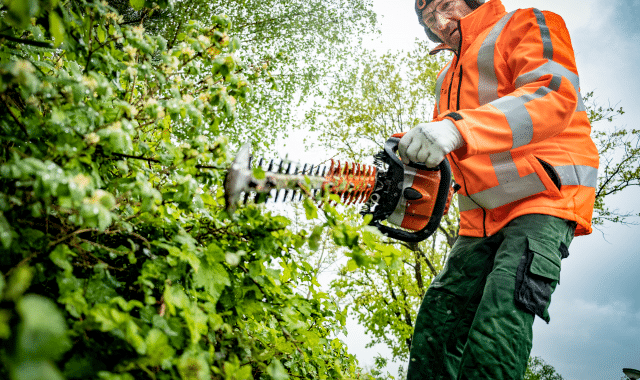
pixel 411 194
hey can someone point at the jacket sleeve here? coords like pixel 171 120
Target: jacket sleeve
pixel 537 62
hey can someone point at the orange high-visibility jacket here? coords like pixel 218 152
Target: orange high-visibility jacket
pixel 513 93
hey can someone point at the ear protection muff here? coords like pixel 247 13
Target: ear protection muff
pixel 422 4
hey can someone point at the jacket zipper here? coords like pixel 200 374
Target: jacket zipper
pixel 484 211
pixel 449 93
pixel 459 87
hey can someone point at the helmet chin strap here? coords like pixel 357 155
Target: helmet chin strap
pixel 473 4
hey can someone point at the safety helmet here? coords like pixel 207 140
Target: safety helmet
pixel 422 4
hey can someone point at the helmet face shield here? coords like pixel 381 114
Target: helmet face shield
pixel 420 5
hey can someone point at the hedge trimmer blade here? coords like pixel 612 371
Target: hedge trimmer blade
pixel 353 182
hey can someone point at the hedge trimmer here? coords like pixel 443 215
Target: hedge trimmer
pixel 413 197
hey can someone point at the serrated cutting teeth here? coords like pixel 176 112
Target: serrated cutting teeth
pixel 352 182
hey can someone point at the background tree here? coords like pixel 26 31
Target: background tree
pixel 373 98
pixel 292 46
pixel 619 150
pixel 538 369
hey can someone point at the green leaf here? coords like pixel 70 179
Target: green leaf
pixel 5 328
pixel 18 282
pixel 367 219
pixel 314 238
pixel 20 12
pixel 61 256
pixel 56 28
pixel 310 209
pixel 311 338
pixel 36 370
pixel 175 297
pixel 162 324
pixel 235 44
pixel 259 173
pixel 132 333
pixel 352 265
pixel 277 371
pixel 137 4
pixel 101 34
pixel 213 278
pixel 196 321
pixel 6 233
pixel 158 349
pixel 42 333
pixel 193 365
pixel 105 375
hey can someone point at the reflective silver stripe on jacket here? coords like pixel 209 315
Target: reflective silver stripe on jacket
pixel 511 186
pixel 557 70
pixel 526 186
pixel 398 214
pixel 488 81
pixel 439 82
pixel 571 175
pixel 545 35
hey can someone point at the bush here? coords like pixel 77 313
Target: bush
pixel 118 257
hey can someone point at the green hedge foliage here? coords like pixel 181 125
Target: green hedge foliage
pixel 118 259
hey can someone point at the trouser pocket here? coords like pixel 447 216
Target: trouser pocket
pixel 537 276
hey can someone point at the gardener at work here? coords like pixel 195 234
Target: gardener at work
pixel 510 119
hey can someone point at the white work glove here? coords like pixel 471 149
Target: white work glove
pixel 428 143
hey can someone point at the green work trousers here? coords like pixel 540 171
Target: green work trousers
pixel 476 319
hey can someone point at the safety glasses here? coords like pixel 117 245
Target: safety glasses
pixel 445 9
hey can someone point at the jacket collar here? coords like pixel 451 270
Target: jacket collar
pixel 475 23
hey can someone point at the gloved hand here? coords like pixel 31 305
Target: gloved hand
pixel 428 143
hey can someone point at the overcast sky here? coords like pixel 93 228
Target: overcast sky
pixel 595 311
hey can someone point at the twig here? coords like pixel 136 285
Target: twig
pixel 22 262
pixel 122 155
pixel 132 234
pixel 86 66
pixel 175 36
pixel 116 252
pixel 100 261
pixel 289 336
pixel 41 44
pixel 22 126
pixel 95 50
pixel 54 243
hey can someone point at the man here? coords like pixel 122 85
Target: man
pixel 510 119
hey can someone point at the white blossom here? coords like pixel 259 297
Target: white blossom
pixel 81 181
pixel 23 66
pixel 130 50
pixel 138 31
pixel 188 51
pixel 90 82
pixel 132 71
pixel 204 40
pixel 92 138
pixel 187 98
